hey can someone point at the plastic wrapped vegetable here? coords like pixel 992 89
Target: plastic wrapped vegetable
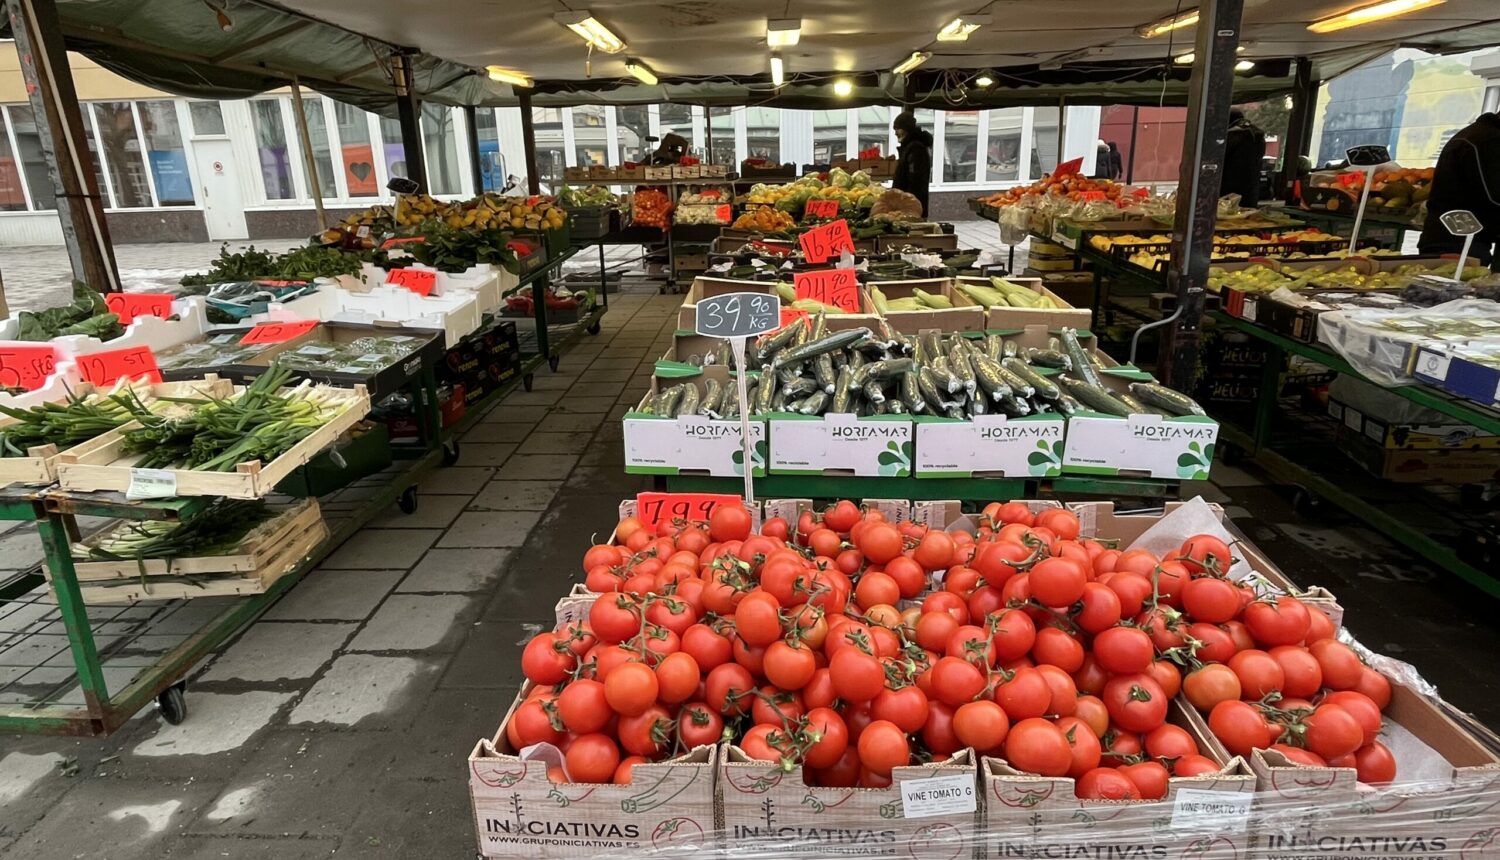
pixel 896 205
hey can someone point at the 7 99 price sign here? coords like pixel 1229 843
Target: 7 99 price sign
pixel 654 508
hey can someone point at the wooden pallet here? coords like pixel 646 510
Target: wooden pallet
pixel 101 464
pixel 39 466
pixel 283 558
pixel 252 554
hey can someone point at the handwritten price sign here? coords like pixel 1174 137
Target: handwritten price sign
pixel 826 241
pixel 103 368
pixel 27 367
pixel 278 332
pixel 793 315
pixel 837 287
pixel 419 281
pixel 396 243
pixel 653 508
pixel 128 306
pixel 823 208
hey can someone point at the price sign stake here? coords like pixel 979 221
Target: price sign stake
pixel 826 241
pixel 278 332
pixel 737 317
pixel 1369 157
pixel 27 367
pixel 419 281
pixel 128 306
pixel 837 287
pixel 103 368
pixel 1462 222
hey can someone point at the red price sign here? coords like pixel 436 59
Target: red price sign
pixel 793 315
pixel 278 332
pixel 103 368
pixel 128 306
pixel 1091 195
pixel 395 243
pixel 837 287
pixel 823 208
pixel 724 212
pixel 826 241
pixel 653 508
pixel 26 367
pixel 419 281
pixel 1068 168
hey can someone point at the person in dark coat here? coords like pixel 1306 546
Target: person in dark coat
pixel 913 158
pixel 1244 148
pixel 1467 176
pixel 1116 162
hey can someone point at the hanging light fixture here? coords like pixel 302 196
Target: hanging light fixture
pixel 591 30
pixel 641 72
pixel 1167 24
pixel 984 79
pixel 783 32
pixel 1370 14
pixel 959 29
pixel 221 15
pixel 843 87
pixel 917 58
pixel 506 76
pixel 1189 58
pixel 778 70
pixel 1244 65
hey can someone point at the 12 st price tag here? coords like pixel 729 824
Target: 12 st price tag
pixel 837 287
pixel 737 315
pixel 128 306
pixel 278 332
pixel 653 508
pixel 823 208
pixel 938 795
pixel 151 484
pixel 103 368
pixel 829 240
pixel 27 367
pixel 419 281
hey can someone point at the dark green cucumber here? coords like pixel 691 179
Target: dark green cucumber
pixel 1162 397
pixel 1040 384
pixel 1093 397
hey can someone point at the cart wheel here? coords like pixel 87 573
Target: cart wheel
pixel 1231 454
pixel 172 704
pixel 526 381
pixel 1472 496
pixel 1305 503
pixel 553 361
pixel 408 501
pixel 450 452
pixel 594 329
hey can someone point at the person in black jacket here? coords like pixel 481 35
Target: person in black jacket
pixel 913 159
pixel 1244 148
pixel 1467 176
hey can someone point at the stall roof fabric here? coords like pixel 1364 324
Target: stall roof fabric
pixel 715 52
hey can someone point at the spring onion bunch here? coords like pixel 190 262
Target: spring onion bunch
pixel 218 530
pixel 79 419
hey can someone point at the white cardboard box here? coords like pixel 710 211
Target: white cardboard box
pixel 876 445
pixel 693 444
pixel 456 315
pixel 989 446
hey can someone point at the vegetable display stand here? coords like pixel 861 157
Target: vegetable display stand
pixel 1445 534
pixel 928 489
pixel 1382 229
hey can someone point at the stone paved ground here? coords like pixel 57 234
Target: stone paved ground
pixel 338 724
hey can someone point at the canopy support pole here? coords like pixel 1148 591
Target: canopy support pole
pixel 1299 125
pixel 1062 127
pixel 1135 124
pixel 708 135
pixel 308 160
pixel 1210 92
pixel 476 167
pixel 528 142
pixel 409 114
pixel 44 66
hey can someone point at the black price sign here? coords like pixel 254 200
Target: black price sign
pixel 1368 155
pixel 1461 222
pixel 738 315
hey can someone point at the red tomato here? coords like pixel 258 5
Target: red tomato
pixel 1259 673
pixel 546 660
pixel 832 738
pixel 1124 650
pixel 532 725
pixel 631 689
pixel 1332 731
pixel 1217 646
pixel 698 725
pixel 1091 710
pixel 1084 745
pixel 873 589
pixel 788 666
pixel 728 689
pixel 615 618
pixel 982 725
pixel 1136 703
pixel 857 676
pixel 1297 755
pixel 933 629
pixel 841 516
pixel 647 733
pixel 1090 677
pixel 938 734
pixel 1277 621
pixel 583 708
pixel 1240 727
pixel 677 677
pixel 1106 783
pixel 1304 677
pixel 757 619
pixel 1015 634
pixel 1133 590
pixel 934 551
pixel 1374 764
pixel 908 575
pixel 1320 626
pixel 1374 685
pixel 1038 746
pixel 729 522
pixel 882 747
pixel 1341 667
pixel 1025 695
pixel 1194 765
pixel 1211 599
pixel 1170 742
pixel 1150 777
pixel 1055 647
pixel 1063 522
pixel 880 543
pixel 1210 685
pixel 1064 694
pixel 956 681
pixel 1361 708
pixel 1057 581
pixel 906 708
pixel 766 742
pixel 775 527
pixel 1205 553
pixel 707 647
pixel 625 773
pixel 592 758
pixel 1101 608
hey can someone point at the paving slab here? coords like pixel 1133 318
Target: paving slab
pixel 490 657
pixel 410 622
pixel 568 421
pixel 515 496
pixel 455 480
pixel 543 467
pixel 20 772
pixel 335 595
pixel 360 687
pixel 486 453
pixel 455 570
pixel 556 443
pixel 217 722
pixel 116 819
pixel 491 529
pixel 535 397
pixel 194 847
pixel 280 651
pixel 415 818
pixel 515 413
pixel 375 549
pixel 433 512
pixel 482 433
pixel 452 721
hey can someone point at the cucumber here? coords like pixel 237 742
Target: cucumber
pixel 814 404
pixel 1049 358
pixel 889 368
pixel 1162 397
pixel 778 400
pixel 1136 406
pixel 894 406
pixel 799 387
pixel 958 359
pixel 713 396
pixel 911 393
pixel 1082 368
pixel 944 376
pixel 1019 386
pixel 1014 406
pixel 788 375
pixel 993 343
pixel 690 402
pixel 987 372
pixel 765 393
pixel 823 372
pixel 1093 397
pixel 820 326
pixel 731 408
pixel 723 354
pixel 769 344
pixel 829 343
pixel 977 406
pixel 932 346
pixel 843 389
pixel 873 392
pixel 1043 386
pixel 931 389
pixel 666 401
pixel 1010 350
pixel 1066 405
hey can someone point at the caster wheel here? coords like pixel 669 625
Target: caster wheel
pixel 527 381
pixel 1305 503
pixel 1231 455
pixel 553 361
pixel 1473 496
pixel 172 704
pixel 593 329
pixel 450 453
pixel 408 500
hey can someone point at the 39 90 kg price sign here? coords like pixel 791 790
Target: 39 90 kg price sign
pixel 738 315
pixel 837 287
pixel 829 240
pixel 653 508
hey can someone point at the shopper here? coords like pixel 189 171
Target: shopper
pixel 914 158
pixel 1116 162
pixel 1467 177
pixel 1103 168
pixel 671 150
pixel 1244 147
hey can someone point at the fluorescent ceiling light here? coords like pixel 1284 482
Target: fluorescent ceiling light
pixel 958 29
pixel 984 79
pixel 778 70
pixel 1188 58
pixel 783 32
pixel 1369 14
pixel 842 87
pixel 917 58
pixel 1244 65
pixel 1168 24
pixel 506 76
pixel 641 72
pixel 591 30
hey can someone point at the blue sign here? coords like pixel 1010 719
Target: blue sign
pixel 169 169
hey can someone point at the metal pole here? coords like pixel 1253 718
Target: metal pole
pixel 409 113
pixel 1135 123
pixel 307 155
pixel 1062 123
pixel 44 66
pixel 1298 127
pixel 475 166
pixel 528 142
pixel 708 135
pixel 1210 92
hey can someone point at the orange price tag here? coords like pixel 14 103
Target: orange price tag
pixel 394 243
pixel 128 306
pixel 653 508
pixel 278 332
pixel 792 315
pixel 837 287
pixel 419 281
pixel 825 241
pixel 1068 168
pixel 724 212
pixel 823 208
pixel 26 367
pixel 103 368
pixel 1091 195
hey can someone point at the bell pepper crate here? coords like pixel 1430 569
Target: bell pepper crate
pixel 770 812
pixel 103 464
pixel 1060 315
pixel 695 444
pixel 963 315
pixel 454 315
pixel 1207 816
pixel 519 812
pixel 1444 803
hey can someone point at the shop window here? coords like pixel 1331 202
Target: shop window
pixel 270 141
pixel 394 152
pixel 208 118
pixel 960 145
pixel 356 156
pixel 875 128
pixel 763 134
pixel 551 153
pixel 14 165
pixel 632 127
pixel 165 153
pixel 590 136
pixel 830 135
pixel 440 146
pixel 1043 141
pixel 317 133
pixel 120 146
pixel 491 162
pixel 1002 159
pixel 721 121
pixel 678 120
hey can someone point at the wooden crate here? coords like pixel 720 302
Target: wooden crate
pixel 39 466
pixel 281 558
pixel 253 554
pixel 102 464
